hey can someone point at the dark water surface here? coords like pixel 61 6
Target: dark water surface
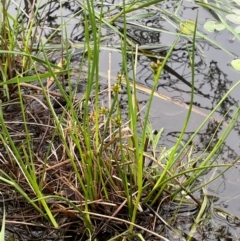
pixel 213 77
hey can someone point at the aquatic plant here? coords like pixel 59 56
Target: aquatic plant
pixel 83 165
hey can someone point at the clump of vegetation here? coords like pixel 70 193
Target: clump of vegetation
pixel 81 167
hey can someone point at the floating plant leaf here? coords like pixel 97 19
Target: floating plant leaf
pixel 187 27
pixel 236 64
pixel 237 29
pixel 211 26
pixel 234 17
pixel 237 2
pixel 236 11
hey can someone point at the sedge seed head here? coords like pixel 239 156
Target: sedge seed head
pixel 117 121
pixel 153 65
pixel 116 88
pixel 159 63
pixel 103 110
pixel 120 77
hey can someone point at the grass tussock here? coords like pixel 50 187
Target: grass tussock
pixel 86 166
